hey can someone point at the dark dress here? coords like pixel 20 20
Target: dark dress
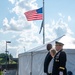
pixel 46 62
pixel 59 63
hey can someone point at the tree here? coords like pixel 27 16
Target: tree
pixel 5 57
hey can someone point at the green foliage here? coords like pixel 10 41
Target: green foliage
pixel 1 73
pixel 4 57
pixel 9 58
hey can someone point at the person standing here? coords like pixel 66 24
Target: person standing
pixel 59 64
pixel 47 59
pixel 50 67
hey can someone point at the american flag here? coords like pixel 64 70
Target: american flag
pixel 34 14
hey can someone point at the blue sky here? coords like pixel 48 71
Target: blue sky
pixel 24 35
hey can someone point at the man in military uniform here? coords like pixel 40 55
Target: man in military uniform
pixel 59 64
pixel 47 59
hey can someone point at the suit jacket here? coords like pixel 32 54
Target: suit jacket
pixel 59 63
pixel 46 62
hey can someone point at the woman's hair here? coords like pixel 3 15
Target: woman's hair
pixel 53 51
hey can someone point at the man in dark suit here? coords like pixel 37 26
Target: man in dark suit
pixel 59 65
pixel 47 59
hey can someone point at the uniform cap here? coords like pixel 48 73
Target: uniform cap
pixel 60 43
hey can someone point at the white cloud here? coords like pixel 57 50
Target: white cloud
pixel 60 14
pixel 5 24
pixel 53 22
pixel 15 25
pixel 12 1
pixel 28 29
pixel 68 41
pixel 1 30
pixel 27 33
pixel 22 6
pixel 62 27
pixel 10 48
pixel 69 18
pixel 19 23
pixel 27 38
pixel 2 46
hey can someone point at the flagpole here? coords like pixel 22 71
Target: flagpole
pixel 43 25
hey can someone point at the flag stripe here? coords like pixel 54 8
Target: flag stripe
pixel 34 17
